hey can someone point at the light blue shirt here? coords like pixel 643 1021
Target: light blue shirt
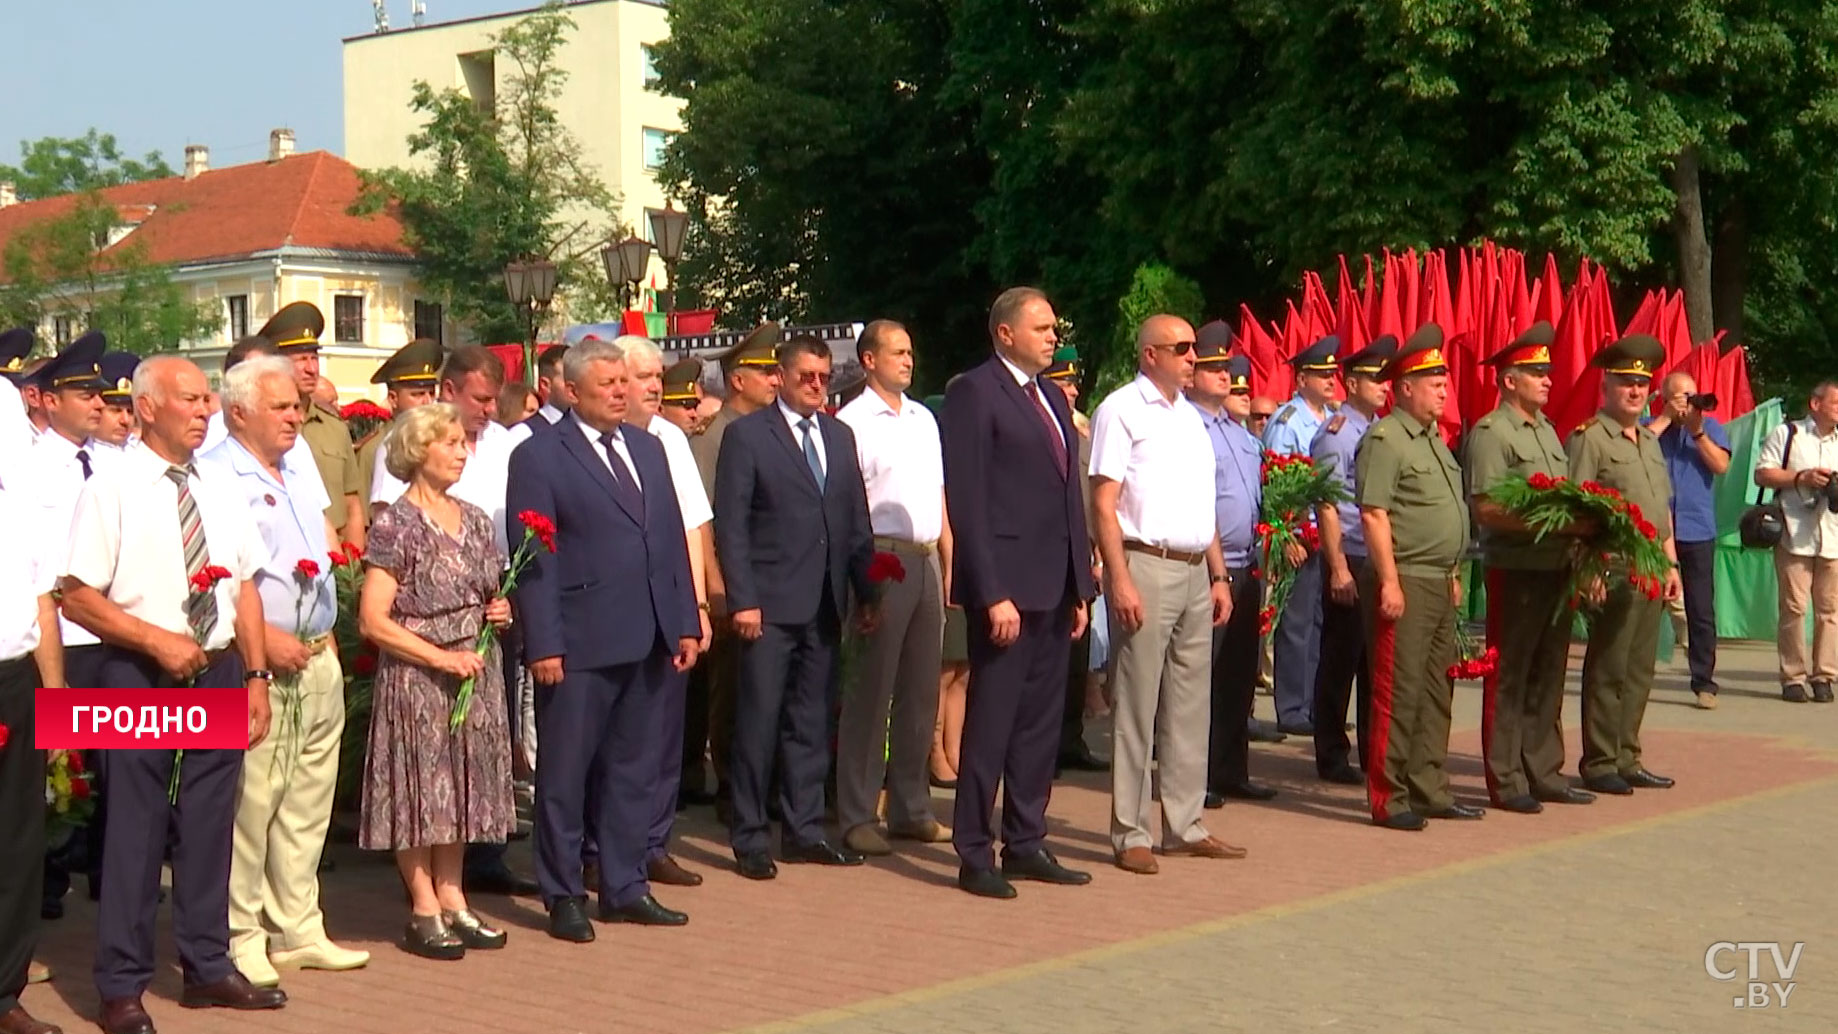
pixel 290 514
pixel 1335 451
pixel 1237 484
pixel 1292 428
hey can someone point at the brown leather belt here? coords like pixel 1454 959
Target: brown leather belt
pixel 317 644
pixel 893 545
pixel 1164 553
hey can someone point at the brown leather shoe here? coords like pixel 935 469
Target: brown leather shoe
pixel 668 871
pixel 18 1021
pixel 125 1016
pixel 1211 847
pixel 930 831
pixel 1139 860
pixel 232 992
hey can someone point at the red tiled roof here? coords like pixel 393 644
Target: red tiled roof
pixel 234 212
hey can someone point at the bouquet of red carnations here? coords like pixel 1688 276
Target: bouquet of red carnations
pixel 537 528
pixel 1476 660
pixel 1293 487
pixel 1625 543
pixel 69 805
pixel 363 417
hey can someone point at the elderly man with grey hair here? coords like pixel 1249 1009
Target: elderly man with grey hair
pixel 285 803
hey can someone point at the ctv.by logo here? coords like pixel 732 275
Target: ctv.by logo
pixel 1761 993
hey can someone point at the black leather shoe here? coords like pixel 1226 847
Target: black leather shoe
pixel 1345 775
pixel 984 883
pixel 1259 731
pixel 51 908
pixel 1249 791
pixel 1408 821
pixel 1457 810
pixel 820 853
pixel 1608 784
pixel 1042 866
pixel 499 880
pixel 1303 728
pixel 1568 795
pixel 1821 692
pixel 125 1016
pixel 232 992
pixel 1794 694
pixel 755 865
pixel 1524 804
pixel 644 912
pixel 1646 780
pixel 1214 801
pixel 568 921
pixel 1083 760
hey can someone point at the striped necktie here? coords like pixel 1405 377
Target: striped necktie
pixel 200 607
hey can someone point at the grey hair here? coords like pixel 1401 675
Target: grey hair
pixel 574 364
pixel 405 445
pixel 242 383
pixel 147 376
pixel 637 347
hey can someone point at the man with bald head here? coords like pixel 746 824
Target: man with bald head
pixel 1697 449
pixel 1166 588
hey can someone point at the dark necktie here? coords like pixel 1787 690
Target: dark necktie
pixel 1052 426
pixel 622 475
pixel 200 607
pixel 810 452
pixel 83 458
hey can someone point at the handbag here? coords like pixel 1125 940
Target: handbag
pixel 1764 524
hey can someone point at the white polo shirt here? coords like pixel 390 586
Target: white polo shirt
pixel 482 483
pixel 28 570
pixel 903 467
pixel 685 477
pixel 125 543
pixel 1812 527
pixel 1160 453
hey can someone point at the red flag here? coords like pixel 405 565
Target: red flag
pixel 1550 304
pixel 1257 346
pixel 1733 391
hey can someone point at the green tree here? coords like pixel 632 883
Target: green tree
pixel 78 267
pixel 55 165
pixel 501 185
pixel 1154 289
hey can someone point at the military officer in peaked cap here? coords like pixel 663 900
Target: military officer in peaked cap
pixel 1298 633
pixel 1528 618
pixel 1415 519
pixel 117 428
pixel 1063 373
pixel 410 378
pixel 1616 449
pixel 1343 662
pixel 682 393
pixel 294 332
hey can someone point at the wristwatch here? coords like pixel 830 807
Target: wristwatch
pixel 1221 579
pixel 258 673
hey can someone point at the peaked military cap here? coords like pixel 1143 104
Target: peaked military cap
pixel 417 362
pixel 78 366
pixel 1318 357
pixel 118 376
pixel 759 348
pixel 1421 354
pixel 1530 349
pixel 1370 360
pixel 1636 355
pixel 296 328
pixel 1238 373
pixel 1065 363
pixel 680 380
pixel 15 345
pixel 1213 343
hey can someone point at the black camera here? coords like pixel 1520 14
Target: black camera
pixel 1830 492
pixel 1703 403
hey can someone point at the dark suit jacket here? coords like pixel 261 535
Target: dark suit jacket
pixel 617 579
pixel 778 536
pixel 1017 523
pixel 537 424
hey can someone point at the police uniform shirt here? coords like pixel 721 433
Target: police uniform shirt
pixel 53 475
pixel 903 467
pixel 685 479
pixel 1404 468
pixel 1238 488
pixel 1635 467
pixel 482 482
pixel 29 567
pixel 289 516
pixel 1159 452
pixel 1503 442
pixel 1334 449
pixel 1293 427
pixel 126 542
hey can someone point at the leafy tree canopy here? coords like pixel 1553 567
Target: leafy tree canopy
pixel 54 166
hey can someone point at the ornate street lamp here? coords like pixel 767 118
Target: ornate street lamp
pixel 531 285
pixel 626 263
pixel 668 228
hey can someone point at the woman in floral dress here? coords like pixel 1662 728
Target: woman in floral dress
pixel 431 582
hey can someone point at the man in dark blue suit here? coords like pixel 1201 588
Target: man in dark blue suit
pixel 1022 573
pixel 552 388
pixel 791 528
pixel 606 618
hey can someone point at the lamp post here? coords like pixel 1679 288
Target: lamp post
pixel 531 285
pixel 668 228
pixel 625 265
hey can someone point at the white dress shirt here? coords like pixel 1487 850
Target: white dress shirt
pixel 903 467
pixel 1160 453
pixel 488 467
pixel 685 476
pixel 15 429
pixel 619 448
pixel 28 570
pixel 126 542
pixel 289 517
pixel 550 413
pixel 1812 527
pixel 792 419
pixel 53 475
pixel 1024 381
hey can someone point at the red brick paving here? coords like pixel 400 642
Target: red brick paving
pixel 821 938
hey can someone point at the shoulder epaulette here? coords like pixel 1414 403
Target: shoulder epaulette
pixel 1378 430
pixel 1334 425
pixel 1282 416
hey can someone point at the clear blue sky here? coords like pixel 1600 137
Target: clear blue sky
pixel 160 74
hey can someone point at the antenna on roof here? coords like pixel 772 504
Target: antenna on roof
pixel 419 9
pixel 382 15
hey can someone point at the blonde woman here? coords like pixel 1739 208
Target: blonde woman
pixel 430 583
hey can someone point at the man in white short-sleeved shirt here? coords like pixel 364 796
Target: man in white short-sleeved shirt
pixel 142 534
pixel 1166 588
pixel 884 735
pixel 1806 560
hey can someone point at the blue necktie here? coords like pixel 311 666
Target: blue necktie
pixel 810 452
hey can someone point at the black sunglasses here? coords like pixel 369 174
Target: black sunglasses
pixel 1178 347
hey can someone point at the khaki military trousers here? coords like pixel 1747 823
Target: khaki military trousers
pixel 1522 736
pixel 1617 678
pixel 1411 695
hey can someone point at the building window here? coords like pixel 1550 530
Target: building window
pixel 238 306
pixel 348 318
pixel 428 320
pixel 655 142
pixel 650 64
pixel 61 331
pixel 479 75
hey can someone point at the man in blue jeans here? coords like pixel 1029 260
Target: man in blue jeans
pixel 1696 449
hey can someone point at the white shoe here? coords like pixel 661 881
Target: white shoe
pixel 256 968
pixel 322 955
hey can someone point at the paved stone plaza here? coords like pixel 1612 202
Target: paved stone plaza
pixel 1584 919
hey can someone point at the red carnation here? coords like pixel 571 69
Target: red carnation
pixel 885 567
pixel 338 559
pixel 4 733
pixel 79 788
pixel 307 569
pixel 75 761
pixel 352 550
pixel 1593 488
pixel 1262 529
pixel 540 526
pixel 206 580
pixel 1539 481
